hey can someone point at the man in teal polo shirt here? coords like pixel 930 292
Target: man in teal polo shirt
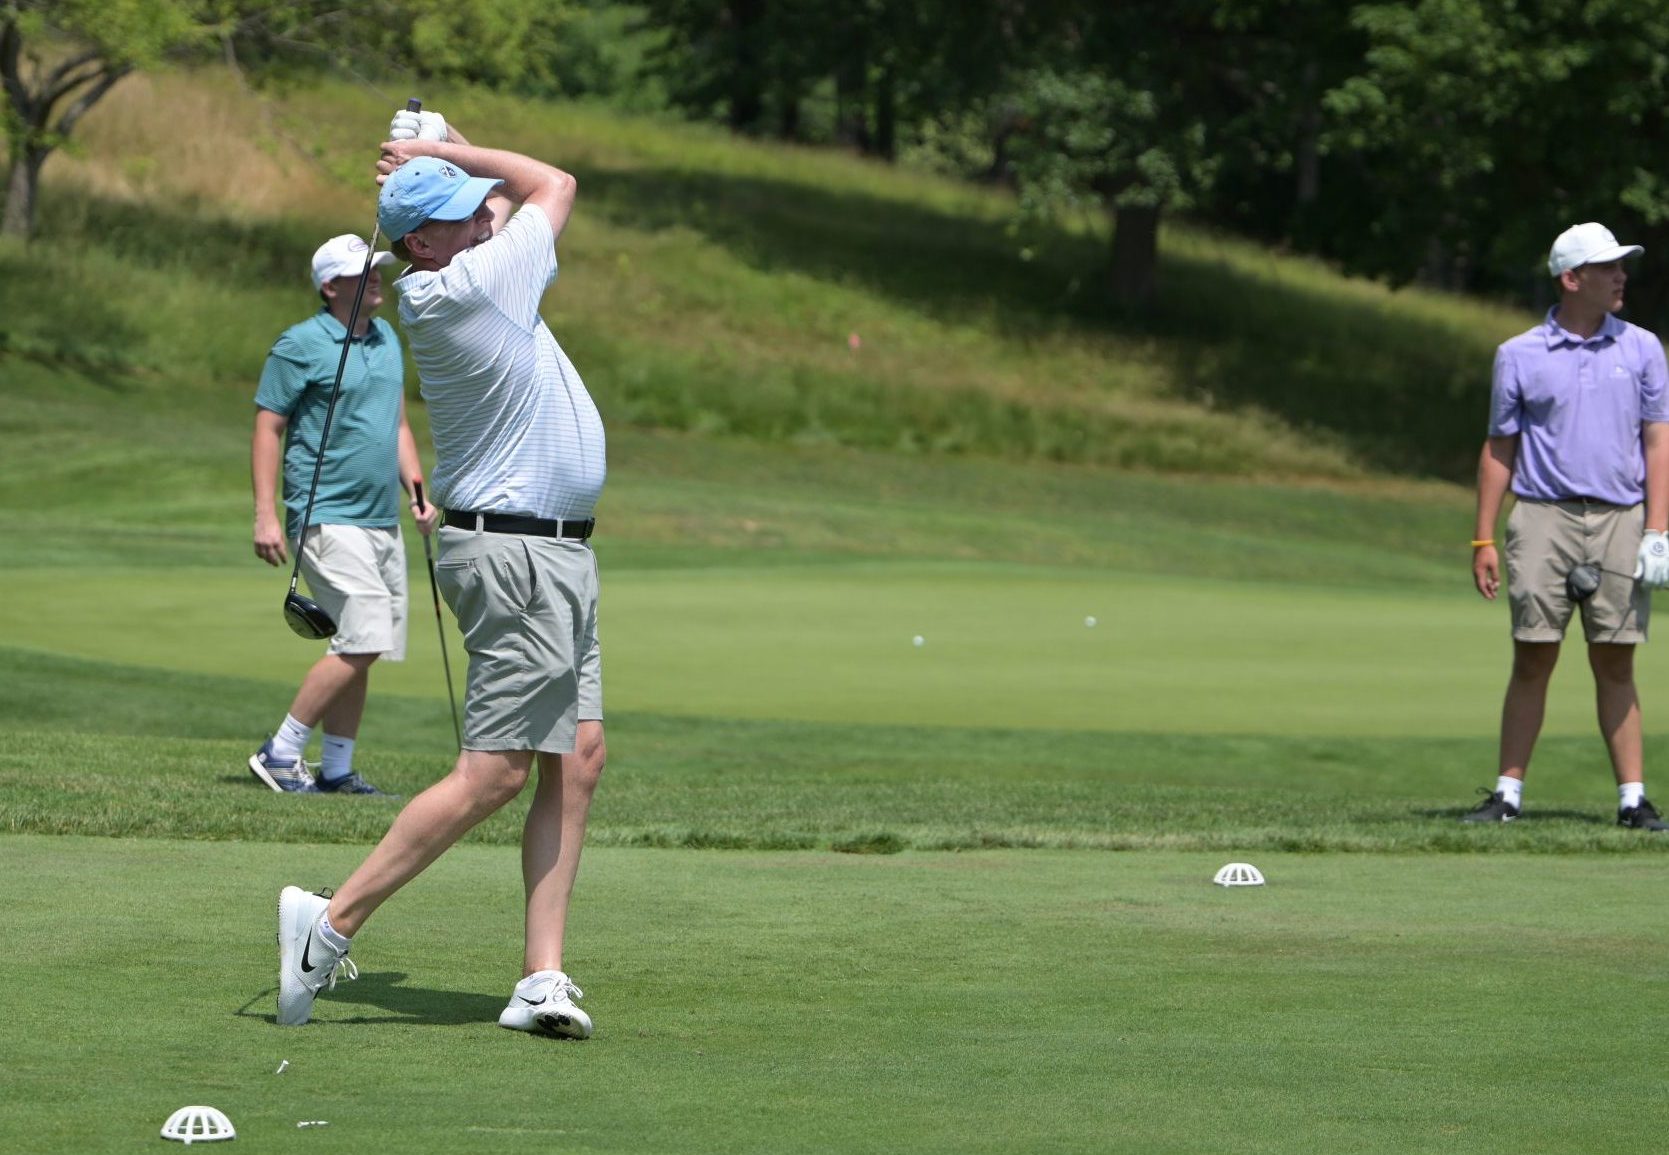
pixel 353 558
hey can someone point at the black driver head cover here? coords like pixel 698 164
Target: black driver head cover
pixel 307 617
pixel 1582 581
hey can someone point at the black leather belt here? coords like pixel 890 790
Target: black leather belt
pixel 574 529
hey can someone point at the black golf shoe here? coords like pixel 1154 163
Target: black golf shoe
pixel 1495 808
pixel 350 784
pixel 1641 817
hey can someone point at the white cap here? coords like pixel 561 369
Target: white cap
pixel 343 256
pixel 1589 244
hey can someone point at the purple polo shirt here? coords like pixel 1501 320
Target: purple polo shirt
pixel 1577 407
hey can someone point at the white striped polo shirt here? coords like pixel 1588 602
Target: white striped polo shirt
pixel 515 430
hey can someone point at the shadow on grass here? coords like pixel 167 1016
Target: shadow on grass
pixel 1532 817
pixel 58 320
pixel 386 990
pixel 191 236
pixel 1406 394
pixel 53 310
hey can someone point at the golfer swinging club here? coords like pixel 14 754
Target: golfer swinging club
pixel 518 467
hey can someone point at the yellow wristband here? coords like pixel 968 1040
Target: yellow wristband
pixel 1479 544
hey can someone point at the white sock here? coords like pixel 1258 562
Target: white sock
pixel 291 739
pixel 1630 795
pixel 1512 790
pixel 328 933
pixel 337 759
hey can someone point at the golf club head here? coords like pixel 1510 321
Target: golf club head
pixel 307 618
pixel 1582 581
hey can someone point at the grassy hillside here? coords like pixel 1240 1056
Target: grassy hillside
pixel 783 512
pixel 718 287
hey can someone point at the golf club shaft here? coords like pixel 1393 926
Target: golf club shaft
pixel 412 105
pixel 440 624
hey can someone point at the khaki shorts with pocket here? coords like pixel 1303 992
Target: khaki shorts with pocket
pixel 357 574
pixel 527 609
pixel 1546 540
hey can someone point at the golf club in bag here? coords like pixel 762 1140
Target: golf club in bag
pixel 440 624
pixel 304 615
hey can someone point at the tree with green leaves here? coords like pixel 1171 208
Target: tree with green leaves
pixel 889 63
pixel 1123 117
pixel 1476 130
pixel 58 58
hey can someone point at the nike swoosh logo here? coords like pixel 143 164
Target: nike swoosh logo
pixel 306 955
pixel 530 1002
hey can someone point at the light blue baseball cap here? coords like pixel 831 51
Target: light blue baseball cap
pixel 427 188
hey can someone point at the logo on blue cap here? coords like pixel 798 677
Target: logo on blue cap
pixel 427 188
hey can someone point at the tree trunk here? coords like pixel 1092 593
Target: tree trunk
pixel 851 119
pixel 21 191
pixel 885 144
pixel 747 100
pixel 1135 257
pixel 788 117
pixel 1308 159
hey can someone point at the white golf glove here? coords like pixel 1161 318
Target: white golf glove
pixel 1652 568
pixel 408 125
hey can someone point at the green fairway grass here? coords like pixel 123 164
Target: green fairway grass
pixel 1002 647
pixel 102 749
pixel 990 1002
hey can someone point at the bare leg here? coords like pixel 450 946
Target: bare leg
pixel 343 715
pixel 1618 705
pixel 1525 705
pixel 334 691
pixel 480 783
pixel 552 840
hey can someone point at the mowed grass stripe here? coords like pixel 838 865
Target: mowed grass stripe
pixel 1004 647
pixel 99 749
pixel 985 1002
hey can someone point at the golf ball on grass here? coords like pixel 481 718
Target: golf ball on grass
pixel 1090 622
pixel 918 640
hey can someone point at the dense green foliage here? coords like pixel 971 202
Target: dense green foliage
pixel 1444 141
pixel 1441 140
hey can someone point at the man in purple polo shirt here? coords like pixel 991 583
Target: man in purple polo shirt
pixel 1578 431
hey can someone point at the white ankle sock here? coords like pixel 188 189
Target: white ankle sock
pixel 1630 795
pixel 337 758
pixel 1512 790
pixel 328 933
pixel 291 739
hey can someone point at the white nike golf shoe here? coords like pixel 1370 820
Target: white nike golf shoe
pixel 544 1004
pixel 306 962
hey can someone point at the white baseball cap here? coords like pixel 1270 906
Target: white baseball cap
pixel 343 256
pixel 1589 244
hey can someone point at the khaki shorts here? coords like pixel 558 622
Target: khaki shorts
pixel 527 608
pixel 1545 540
pixel 357 575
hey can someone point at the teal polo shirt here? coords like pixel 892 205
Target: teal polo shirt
pixel 359 483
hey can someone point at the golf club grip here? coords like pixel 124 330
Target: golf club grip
pixel 417 490
pixel 413 104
